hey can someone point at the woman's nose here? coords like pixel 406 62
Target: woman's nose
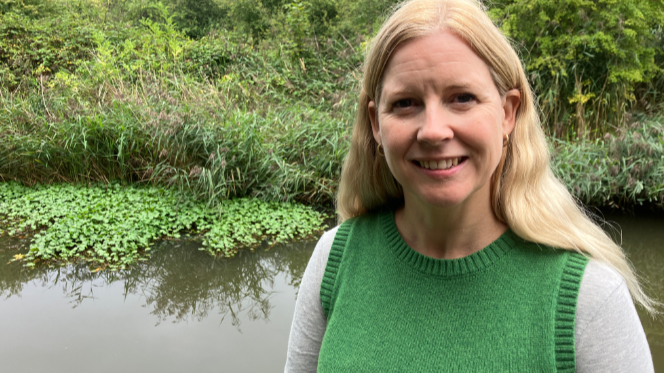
pixel 436 125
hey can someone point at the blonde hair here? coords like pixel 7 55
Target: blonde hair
pixel 525 194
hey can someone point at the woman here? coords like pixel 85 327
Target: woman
pixel 459 249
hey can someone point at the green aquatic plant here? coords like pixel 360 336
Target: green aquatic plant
pixel 116 225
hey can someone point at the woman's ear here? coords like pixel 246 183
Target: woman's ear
pixel 511 102
pixel 373 118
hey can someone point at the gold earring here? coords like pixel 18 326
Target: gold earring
pixel 379 150
pixel 506 140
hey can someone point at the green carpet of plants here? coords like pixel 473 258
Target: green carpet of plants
pixel 116 225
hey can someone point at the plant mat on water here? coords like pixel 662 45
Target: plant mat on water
pixel 114 225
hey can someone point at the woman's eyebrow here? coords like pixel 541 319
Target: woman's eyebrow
pixel 404 90
pixel 398 91
pixel 459 86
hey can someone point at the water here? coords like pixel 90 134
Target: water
pixel 181 311
pixel 643 240
pixel 185 311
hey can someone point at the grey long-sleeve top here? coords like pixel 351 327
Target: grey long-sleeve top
pixel 608 336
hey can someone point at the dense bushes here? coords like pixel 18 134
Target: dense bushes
pixel 31 48
pixel 589 61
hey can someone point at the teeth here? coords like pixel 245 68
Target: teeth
pixel 443 164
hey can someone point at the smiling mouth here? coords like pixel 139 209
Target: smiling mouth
pixel 442 164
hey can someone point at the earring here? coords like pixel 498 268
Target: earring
pixel 379 150
pixel 506 140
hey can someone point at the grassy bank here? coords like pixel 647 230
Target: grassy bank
pixel 188 136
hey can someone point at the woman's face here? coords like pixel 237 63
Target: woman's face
pixel 441 121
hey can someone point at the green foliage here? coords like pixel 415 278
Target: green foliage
pixel 29 8
pixel 116 224
pixel 297 30
pixel 154 46
pixel 586 58
pixel 196 18
pixel 249 17
pixel 625 169
pixel 190 135
pixel 363 17
pixel 31 48
pixel 323 16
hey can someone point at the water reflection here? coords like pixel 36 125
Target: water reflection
pixel 643 240
pixel 178 283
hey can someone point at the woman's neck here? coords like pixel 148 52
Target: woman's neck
pixel 448 233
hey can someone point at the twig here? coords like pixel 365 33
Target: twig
pixel 41 85
pixel 316 41
pixel 349 44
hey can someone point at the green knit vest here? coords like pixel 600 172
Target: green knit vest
pixel 509 307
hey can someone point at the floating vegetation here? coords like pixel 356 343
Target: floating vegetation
pixel 115 225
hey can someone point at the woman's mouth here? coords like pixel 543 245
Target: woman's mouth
pixel 440 164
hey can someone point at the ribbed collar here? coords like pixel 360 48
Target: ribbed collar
pixel 446 267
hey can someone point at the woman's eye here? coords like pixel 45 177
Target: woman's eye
pixel 405 103
pixel 465 98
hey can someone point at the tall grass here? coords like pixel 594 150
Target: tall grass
pixel 174 131
pixel 621 170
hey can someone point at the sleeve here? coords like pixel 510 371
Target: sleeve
pixel 609 336
pixel 309 320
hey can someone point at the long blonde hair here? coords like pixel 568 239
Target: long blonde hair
pixel 525 193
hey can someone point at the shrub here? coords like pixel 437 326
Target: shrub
pixel 29 8
pixel 31 48
pixel 586 58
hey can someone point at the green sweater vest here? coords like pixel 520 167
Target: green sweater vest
pixel 507 308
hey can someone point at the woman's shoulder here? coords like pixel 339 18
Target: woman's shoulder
pixel 608 333
pixel 599 283
pixel 601 278
pixel 325 242
pixel 321 253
